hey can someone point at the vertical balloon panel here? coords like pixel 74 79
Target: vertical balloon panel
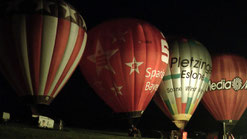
pixel 44 40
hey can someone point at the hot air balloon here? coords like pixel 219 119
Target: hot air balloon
pixel 124 62
pixel 41 44
pixel 185 80
pixel 226 96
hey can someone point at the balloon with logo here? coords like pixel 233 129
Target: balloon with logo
pixel 185 80
pixel 41 43
pixel 226 96
pixel 124 62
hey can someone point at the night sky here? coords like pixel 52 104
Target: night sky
pixel 219 25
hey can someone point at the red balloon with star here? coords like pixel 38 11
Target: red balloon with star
pixel 124 62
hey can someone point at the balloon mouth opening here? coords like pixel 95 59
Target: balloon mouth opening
pixel 29 99
pixel 181 117
pixel 128 115
pixel 180 120
pixel 229 122
pixel 180 124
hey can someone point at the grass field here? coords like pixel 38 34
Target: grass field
pixel 20 131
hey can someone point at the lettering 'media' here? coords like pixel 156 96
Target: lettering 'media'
pixel 236 84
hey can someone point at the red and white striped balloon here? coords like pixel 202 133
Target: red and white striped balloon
pixel 41 43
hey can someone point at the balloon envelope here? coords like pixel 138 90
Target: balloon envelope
pixel 41 43
pixel 226 96
pixel 124 62
pixel 185 81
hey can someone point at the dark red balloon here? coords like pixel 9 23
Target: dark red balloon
pixel 227 94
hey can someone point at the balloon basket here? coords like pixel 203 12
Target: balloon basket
pixel 133 130
pixel 228 125
pixel 46 100
pixel 129 120
pixel 178 134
